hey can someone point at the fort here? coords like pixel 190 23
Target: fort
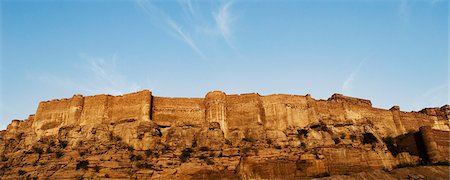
pixel 249 135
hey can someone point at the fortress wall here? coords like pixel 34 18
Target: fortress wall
pixel 80 110
pixel 135 106
pixel 442 113
pixel 330 111
pixel 350 100
pixel 94 109
pixel 244 110
pixel 437 144
pixel 381 120
pixel 355 111
pixel 53 114
pixel 412 121
pixel 282 111
pixel 178 111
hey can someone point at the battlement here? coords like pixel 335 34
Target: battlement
pixel 351 100
pixel 325 136
pixel 230 110
pixel 80 110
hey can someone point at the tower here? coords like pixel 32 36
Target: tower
pixel 216 110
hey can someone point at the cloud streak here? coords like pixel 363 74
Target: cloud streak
pixel 435 96
pixel 347 86
pixel 196 29
pixel 99 75
pixel 174 27
pixel 186 38
pixel 223 20
pixel 404 11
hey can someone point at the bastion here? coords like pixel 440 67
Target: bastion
pixel 232 136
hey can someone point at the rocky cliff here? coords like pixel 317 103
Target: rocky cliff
pixel 246 136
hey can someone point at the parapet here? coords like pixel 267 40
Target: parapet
pixel 442 111
pixel 96 109
pixel 215 95
pixel 395 108
pixel 352 100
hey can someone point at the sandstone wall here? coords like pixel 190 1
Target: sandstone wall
pixel 178 111
pixel 437 144
pixel 247 136
pixel 283 111
pixel 244 111
pixel 53 114
pixel 79 110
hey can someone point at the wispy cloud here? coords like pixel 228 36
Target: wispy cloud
pixel 435 1
pixel 174 27
pixel 195 28
pixel 185 37
pixel 434 96
pixel 189 7
pixel 347 86
pixel 404 11
pixel 99 75
pixel 223 20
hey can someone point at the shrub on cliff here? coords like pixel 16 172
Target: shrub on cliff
pixel 369 138
pixel 392 146
pixel 63 144
pixel 134 157
pixel 321 175
pixel 302 133
pixel 353 137
pixel 403 165
pixel 22 172
pixel 97 168
pixel 248 139
pixel 148 152
pixel 228 142
pixel 113 137
pixel 38 150
pixel 336 140
pixel 144 165
pixel 209 161
pixel 204 148
pixel 303 145
pixel 186 154
pixel 202 157
pixel 82 165
pixel 321 126
pixel 130 148
pixel 59 154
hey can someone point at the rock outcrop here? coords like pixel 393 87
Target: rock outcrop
pixel 246 136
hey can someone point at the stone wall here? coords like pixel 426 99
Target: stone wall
pixel 99 109
pixel 437 144
pixel 240 135
pixel 283 111
pixel 178 111
pixel 232 112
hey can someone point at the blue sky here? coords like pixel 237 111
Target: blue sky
pixel 393 52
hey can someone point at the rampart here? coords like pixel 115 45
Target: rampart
pixel 239 132
pixel 437 144
pixel 238 116
pixel 98 109
pixel 178 111
pixel 232 112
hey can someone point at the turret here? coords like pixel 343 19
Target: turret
pixel 216 110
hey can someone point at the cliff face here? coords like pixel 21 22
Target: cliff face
pixel 220 136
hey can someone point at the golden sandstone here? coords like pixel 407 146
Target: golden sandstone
pixel 246 136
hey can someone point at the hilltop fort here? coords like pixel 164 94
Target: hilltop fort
pixel 245 136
